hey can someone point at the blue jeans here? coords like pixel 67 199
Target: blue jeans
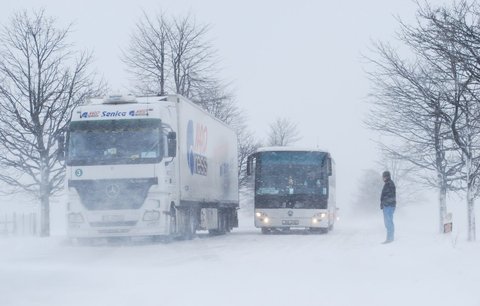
pixel 388 218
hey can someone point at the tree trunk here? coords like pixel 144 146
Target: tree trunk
pixel 471 217
pixel 44 199
pixel 44 216
pixel 470 202
pixel 442 201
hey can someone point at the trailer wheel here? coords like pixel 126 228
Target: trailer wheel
pixel 228 218
pixel 222 224
pixel 173 220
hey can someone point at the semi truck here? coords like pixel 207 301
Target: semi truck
pixel 149 166
pixel 294 189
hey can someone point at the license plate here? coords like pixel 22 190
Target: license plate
pixel 112 218
pixel 290 222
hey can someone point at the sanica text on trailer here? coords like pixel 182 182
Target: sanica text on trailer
pixel 294 188
pixel 149 166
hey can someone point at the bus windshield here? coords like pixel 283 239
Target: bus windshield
pixel 291 173
pixel 115 142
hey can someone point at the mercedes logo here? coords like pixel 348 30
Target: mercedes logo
pixel 290 213
pixel 113 190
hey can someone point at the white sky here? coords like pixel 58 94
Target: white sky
pixel 297 59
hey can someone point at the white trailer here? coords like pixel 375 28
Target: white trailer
pixel 294 189
pixel 149 166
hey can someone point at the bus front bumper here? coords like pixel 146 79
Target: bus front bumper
pixel 291 218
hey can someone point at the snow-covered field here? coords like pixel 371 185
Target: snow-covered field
pixel 348 266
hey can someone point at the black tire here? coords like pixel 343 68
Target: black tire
pixel 330 227
pixel 187 224
pixel 82 241
pixel 318 230
pixel 173 221
pixel 222 224
pixel 266 231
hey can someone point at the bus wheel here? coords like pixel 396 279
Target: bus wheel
pixel 82 241
pixel 266 231
pixel 330 227
pixel 318 230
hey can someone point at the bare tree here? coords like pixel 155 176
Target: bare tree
pixel 219 101
pixel 147 54
pixel 192 56
pixel 247 145
pixel 407 106
pixel 283 132
pixel 41 80
pixel 444 81
pixel 174 55
pixel 448 36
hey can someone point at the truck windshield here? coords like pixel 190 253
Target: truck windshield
pixel 291 173
pixel 115 142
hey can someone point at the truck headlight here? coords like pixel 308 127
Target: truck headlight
pixel 151 215
pixel 75 218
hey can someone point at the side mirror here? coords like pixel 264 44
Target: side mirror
pixel 250 164
pixel 329 166
pixel 172 144
pixel 61 147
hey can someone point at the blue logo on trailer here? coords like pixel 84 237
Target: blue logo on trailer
pixel 197 148
pixel 190 154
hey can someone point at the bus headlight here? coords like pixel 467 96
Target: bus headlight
pixel 151 215
pixel 262 216
pixel 318 217
pixel 75 218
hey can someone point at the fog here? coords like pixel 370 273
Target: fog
pixel 347 266
pixel 301 60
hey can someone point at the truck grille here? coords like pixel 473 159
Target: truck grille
pixel 113 194
pixel 115 223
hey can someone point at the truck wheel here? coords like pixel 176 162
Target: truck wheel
pixel 187 223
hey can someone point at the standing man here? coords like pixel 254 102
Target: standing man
pixel 388 203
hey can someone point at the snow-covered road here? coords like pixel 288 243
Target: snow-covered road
pixel 348 266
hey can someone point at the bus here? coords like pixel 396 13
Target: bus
pixel 294 188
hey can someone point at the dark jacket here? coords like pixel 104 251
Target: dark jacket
pixel 388 197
